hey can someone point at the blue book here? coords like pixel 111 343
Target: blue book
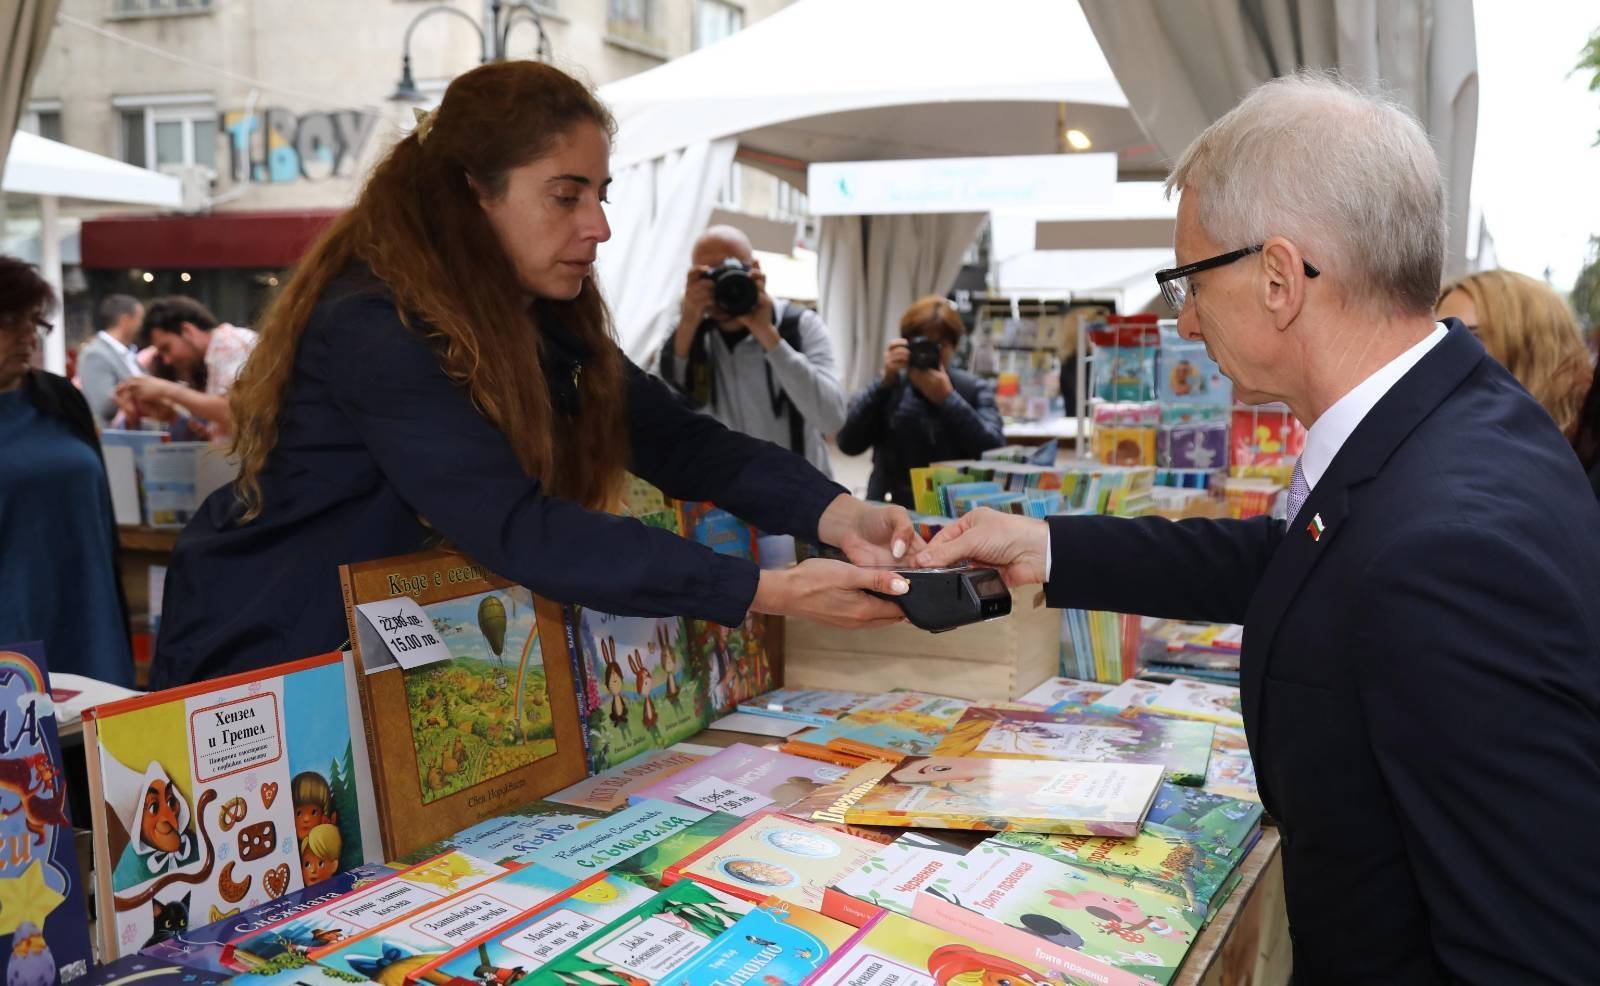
pixel 147 970
pixel 43 921
pixel 775 943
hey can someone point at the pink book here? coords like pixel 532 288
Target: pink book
pixel 783 777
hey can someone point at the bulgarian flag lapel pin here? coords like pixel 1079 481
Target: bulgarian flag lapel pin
pixel 1316 527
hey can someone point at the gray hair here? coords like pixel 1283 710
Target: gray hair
pixel 116 307
pixel 1349 177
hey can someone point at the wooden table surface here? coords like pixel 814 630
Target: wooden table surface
pixel 1246 943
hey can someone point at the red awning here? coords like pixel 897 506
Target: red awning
pixel 219 240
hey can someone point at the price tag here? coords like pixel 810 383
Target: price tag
pixel 716 794
pixel 406 631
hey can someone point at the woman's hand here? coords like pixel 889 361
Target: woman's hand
pixel 1015 545
pixel 868 533
pixel 896 357
pixel 831 592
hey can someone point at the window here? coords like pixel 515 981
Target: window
pixel 157 8
pixel 791 202
pixel 715 20
pixel 636 22
pixel 42 117
pixel 167 133
pixel 728 194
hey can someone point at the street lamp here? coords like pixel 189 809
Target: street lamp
pixel 491 43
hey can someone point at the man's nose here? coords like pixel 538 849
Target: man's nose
pixel 1188 322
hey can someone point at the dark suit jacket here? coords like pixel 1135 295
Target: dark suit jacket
pixel 1421 683
pixel 374 436
pixel 906 430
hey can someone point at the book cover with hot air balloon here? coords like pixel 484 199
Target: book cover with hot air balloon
pixel 44 929
pixel 468 692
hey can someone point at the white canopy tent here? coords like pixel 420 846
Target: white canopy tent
pixel 52 172
pixel 842 80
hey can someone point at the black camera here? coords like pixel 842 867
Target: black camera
pixel 924 353
pixel 733 289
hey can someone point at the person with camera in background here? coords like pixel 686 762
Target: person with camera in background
pixel 923 410
pixel 759 365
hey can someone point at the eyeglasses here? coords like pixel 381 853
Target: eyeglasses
pixel 35 323
pixel 1174 282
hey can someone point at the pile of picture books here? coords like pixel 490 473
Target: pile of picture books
pixel 1208 651
pixel 1099 645
pixel 951 489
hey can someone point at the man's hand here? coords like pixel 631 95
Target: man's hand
pixel 147 397
pixel 869 533
pixel 692 311
pixel 896 357
pixel 831 592
pixel 1016 546
pixel 760 321
pixel 935 385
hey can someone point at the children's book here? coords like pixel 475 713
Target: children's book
pixel 360 911
pixel 742 662
pixel 649 944
pixel 515 835
pixel 999 795
pixel 147 970
pixel 1135 694
pixel 1200 700
pixel 894 950
pixel 524 944
pixel 1234 777
pixel 221 795
pixel 1182 748
pixel 294 969
pixel 779 776
pixel 391 951
pixel 648 867
pixel 468 692
pixel 1162 862
pixel 207 947
pixel 1056 690
pixel 775 943
pixel 645 688
pixel 892 878
pixel 612 840
pixel 1081 922
pixel 1230 741
pixel 1214 822
pixel 815 705
pixel 610 790
pixel 719 530
pixel 44 928
pixel 773 855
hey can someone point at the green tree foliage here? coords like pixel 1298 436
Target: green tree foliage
pixel 1586 292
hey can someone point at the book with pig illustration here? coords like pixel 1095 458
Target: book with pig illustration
pixel 1182 748
pixel 645 688
pixel 220 796
pixel 44 929
pixel 468 691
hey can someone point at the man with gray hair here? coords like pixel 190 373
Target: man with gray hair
pixel 108 359
pixel 1421 664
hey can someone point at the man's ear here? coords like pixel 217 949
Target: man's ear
pixel 1283 280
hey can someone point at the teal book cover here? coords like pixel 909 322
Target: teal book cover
pixel 610 842
pixel 1214 822
pixel 775 943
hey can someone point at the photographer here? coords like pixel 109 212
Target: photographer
pixel 758 365
pixel 922 411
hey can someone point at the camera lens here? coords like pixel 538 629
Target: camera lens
pixel 734 289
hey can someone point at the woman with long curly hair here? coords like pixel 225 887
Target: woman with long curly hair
pixel 441 366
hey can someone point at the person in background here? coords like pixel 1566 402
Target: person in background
pixel 1586 432
pixel 922 410
pixel 1528 327
pixel 111 356
pixel 769 372
pixel 197 347
pixel 58 566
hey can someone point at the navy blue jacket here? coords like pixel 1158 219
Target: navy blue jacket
pixel 1421 683
pixel 374 437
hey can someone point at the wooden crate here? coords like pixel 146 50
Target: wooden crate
pixel 998 660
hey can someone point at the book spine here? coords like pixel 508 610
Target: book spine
pixel 841 906
pixel 380 787
pixel 580 679
pixel 931 909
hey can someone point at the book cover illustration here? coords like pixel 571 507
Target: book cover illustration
pixel 1162 862
pixel 392 952
pixel 1056 690
pixel 360 911
pixel 1182 748
pixel 777 942
pixel 904 735
pixel 468 693
pixel 609 790
pixel 206 947
pixel 1077 919
pixel 741 661
pixel 1234 777
pixel 648 867
pixel 219 797
pixel 515 835
pixel 1230 741
pixel 646 689
pixel 780 776
pixel 1201 700
pixel 892 878
pixel 611 841
pixel 649 944
pixel 719 530
pixel 522 946
pixel 1135 694
pixel 44 924
pixel 773 855
pixel 815 705
pixel 894 950
pixel 1001 795
pixel 148 970
pixel 1213 821
pixel 294 969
